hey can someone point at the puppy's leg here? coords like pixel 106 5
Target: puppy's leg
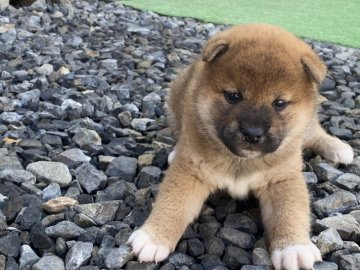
pixel 329 147
pixel 178 202
pixel 285 212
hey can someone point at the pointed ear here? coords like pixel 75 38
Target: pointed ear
pixel 214 48
pixel 314 68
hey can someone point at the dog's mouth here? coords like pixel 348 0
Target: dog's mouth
pixel 246 147
pixel 251 154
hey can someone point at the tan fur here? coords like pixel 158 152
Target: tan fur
pixel 203 164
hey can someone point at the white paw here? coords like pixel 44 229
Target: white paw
pixel 340 153
pixel 295 257
pixel 145 249
pixel 171 156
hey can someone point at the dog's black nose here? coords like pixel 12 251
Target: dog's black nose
pixel 252 134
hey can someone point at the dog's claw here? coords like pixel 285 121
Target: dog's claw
pixel 146 249
pixel 295 257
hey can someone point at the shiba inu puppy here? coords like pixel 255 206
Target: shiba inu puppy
pixel 243 112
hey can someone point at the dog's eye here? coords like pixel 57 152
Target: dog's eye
pixel 280 104
pixel 232 96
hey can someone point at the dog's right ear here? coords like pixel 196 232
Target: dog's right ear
pixel 214 48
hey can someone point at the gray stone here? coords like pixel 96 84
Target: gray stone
pixel 140 30
pixel 336 202
pixel 39 5
pixel 132 108
pixel 2 257
pixel 325 266
pixel 327 84
pixel 27 257
pixel 10 117
pixel 209 229
pixel 348 181
pixel 354 167
pixel 83 221
pixel 29 143
pixel 78 255
pixel 123 92
pixel 10 244
pixel 210 261
pixel 149 103
pixel 142 124
pixel 148 176
pixel 180 259
pixel 254 267
pixel 326 172
pixel 11 264
pixel 116 191
pixel 72 157
pixel 350 262
pixel 195 247
pixel 106 104
pixel 123 235
pixel 214 245
pixel 240 222
pixel 50 171
pixel 346 226
pixel 4 4
pixel 167 266
pixel 342 133
pixel 123 167
pixel 3 151
pixel 49 262
pixel 61 247
pixel 17 176
pixel 85 138
pixel 101 213
pixel 30 98
pixel 30 215
pixel 52 191
pixel 356 215
pixel 140 266
pixel 10 163
pixel 89 267
pixel 335 256
pixel 343 55
pixel 13 205
pixel 72 108
pixel 351 246
pixel 310 177
pixel 90 178
pixel 39 238
pixel 125 118
pixel 51 219
pixel 65 229
pixel 237 238
pixel 261 256
pixel 329 241
pixel 115 258
pixel 45 69
pixel 104 161
pixel 109 64
pixel 235 257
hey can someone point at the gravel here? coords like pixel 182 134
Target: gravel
pixel 84 144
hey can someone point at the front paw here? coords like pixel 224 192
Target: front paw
pixel 339 152
pixel 146 249
pixel 295 257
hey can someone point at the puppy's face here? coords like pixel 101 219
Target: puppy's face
pixel 257 92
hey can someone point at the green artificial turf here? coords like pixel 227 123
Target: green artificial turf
pixel 326 20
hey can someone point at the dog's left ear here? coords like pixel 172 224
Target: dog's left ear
pixel 214 48
pixel 314 68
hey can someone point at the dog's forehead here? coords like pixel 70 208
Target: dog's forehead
pixel 258 64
